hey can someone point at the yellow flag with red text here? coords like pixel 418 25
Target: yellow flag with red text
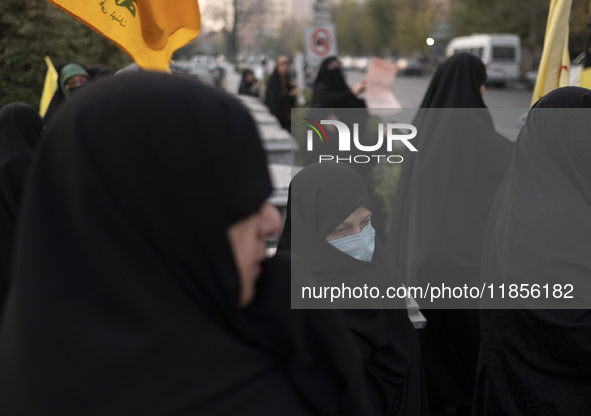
pixel 555 62
pixel 147 30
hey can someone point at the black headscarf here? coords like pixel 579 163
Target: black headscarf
pixel 323 195
pixel 20 128
pixel 130 305
pixel 456 84
pixel 331 89
pixel 97 71
pixel 539 361
pixel 245 87
pixel 441 208
pixel 278 99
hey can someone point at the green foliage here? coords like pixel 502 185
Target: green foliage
pixel 32 29
pixel 384 177
pixel 382 27
pixel 579 16
pixel 289 42
pixel 379 25
pixel 414 22
pixel 526 18
pixel 350 21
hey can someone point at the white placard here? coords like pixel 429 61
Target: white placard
pixel 379 79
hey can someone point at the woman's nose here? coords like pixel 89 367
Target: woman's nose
pixel 271 220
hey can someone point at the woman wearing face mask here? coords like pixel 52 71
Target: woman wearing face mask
pixel 329 225
pixel 71 77
pixel 145 296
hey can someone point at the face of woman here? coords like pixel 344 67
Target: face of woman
pixel 352 225
pixel 282 65
pixel 75 82
pixel 333 65
pixel 248 239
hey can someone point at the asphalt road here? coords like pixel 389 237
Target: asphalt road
pixel 506 104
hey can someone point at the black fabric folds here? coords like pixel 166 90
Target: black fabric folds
pixel 456 84
pixel 321 197
pixel 535 361
pixel 20 128
pixel 130 306
pixel 315 347
pixel 440 211
pixel 331 89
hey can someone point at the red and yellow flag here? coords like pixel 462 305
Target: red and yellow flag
pixel 555 62
pixel 147 30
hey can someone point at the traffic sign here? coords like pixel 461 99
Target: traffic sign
pixel 322 12
pixel 321 43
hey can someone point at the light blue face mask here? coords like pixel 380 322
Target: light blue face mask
pixel 359 246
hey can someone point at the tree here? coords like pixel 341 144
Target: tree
pixel 526 18
pixel 382 27
pixel 414 20
pixel 379 26
pixel 349 18
pixel 32 29
pixel 236 17
pixel 289 41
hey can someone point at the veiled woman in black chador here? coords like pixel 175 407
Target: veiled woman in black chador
pixel 440 210
pixel 331 89
pixel 538 361
pixel 329 226
pixel 281 93
pixel 137 287
pixel 20 129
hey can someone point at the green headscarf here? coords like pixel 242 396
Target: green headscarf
pixel 67 72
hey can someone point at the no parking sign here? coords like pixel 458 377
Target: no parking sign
pixel 321 43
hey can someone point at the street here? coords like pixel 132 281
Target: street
pixel 506 104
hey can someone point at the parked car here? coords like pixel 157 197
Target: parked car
pixel 346 62
pixel 201 64
pixel 361 63
pixel 409 67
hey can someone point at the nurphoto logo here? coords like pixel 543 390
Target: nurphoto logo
pixel 390 133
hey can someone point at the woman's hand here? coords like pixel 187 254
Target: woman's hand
pixel 359 87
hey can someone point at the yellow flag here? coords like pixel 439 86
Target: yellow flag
pixel 555 62
pixel 49 87
pixel 147 30
pixel 585 78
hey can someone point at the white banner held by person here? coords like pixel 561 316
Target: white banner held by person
pixel 378 84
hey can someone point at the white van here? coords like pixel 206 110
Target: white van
pixel 501 53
